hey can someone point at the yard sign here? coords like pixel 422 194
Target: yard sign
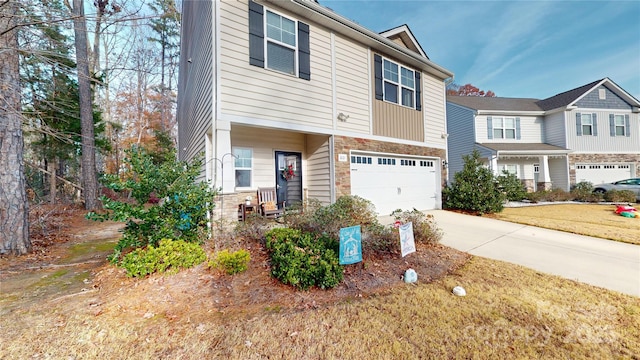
pixel 350 245
pixel 407 243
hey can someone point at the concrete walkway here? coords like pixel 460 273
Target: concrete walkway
pixel 604 263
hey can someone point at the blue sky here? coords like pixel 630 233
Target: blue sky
pixel 517 48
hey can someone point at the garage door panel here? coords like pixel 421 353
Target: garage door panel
pixel 394 182
pixel 602 172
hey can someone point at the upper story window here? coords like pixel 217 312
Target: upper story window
pixel 397 84
pixel 279 43
pixel 504 128
pixel 243 166
pixel 499 127
pixel 619 125
pixel 586 124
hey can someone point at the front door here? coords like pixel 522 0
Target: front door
pixel 288 177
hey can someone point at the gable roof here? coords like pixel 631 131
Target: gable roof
pixel 569 98
pixel 341 25
pixel 495 103
pixel 404 34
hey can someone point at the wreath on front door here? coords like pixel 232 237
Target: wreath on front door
pixel 287 173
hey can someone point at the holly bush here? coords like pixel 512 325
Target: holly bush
pixel 180 213
pixel 475 188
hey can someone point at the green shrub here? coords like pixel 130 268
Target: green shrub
pixel 231 262
pixel 475 188
pixel 536 196
pixel 170 256
pixel 582 191
pixel 557 194
pixel 425 230
pixel 180 213
pixel 302 259
pixel 623 196
pixel 512 187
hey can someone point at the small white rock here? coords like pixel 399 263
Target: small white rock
pixel 459 291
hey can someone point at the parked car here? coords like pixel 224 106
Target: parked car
pixel 627 184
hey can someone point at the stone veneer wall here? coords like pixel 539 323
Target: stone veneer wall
pixel 231 202
pixel 601 158
pixel 343 145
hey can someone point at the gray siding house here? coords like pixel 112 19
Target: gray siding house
pixel 590 133
pixel 271 86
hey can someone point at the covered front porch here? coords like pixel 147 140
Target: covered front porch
pixel 538 166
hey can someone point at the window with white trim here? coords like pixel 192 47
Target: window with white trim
pixel 586 122
pixel 243 166
pixel 619 124
pixel 504 128
pixel 399 84
pixel 281 43
pixel 509 168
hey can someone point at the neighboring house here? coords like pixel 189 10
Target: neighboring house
pixel 268 86
pixel 591 133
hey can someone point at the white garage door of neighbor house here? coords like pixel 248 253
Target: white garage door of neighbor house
pixel 602 173
pixel 395 182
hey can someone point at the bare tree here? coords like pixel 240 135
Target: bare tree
pixel 89 175
pixel 14 213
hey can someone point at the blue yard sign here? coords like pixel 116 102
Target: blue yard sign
pixel 350 245
pixel 407 242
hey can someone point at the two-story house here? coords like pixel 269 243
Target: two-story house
pixel 270 89
pixel 590 133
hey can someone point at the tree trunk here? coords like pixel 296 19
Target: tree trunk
pixel 89 175
pixel 14 212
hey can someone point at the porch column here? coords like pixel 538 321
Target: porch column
pixel 544 178
pixel 225 173
pixel 494 165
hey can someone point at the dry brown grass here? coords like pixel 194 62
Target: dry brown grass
pixel 509 312
pixel 585 219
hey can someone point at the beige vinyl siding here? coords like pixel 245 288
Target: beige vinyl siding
pixel 352 85
pixel 254 92
pixel 264 143
pixel 196 93
pixel 603 142
pixel 433 107
pixel 318 169
pixel 554 129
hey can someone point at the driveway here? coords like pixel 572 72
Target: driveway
pixel 604 263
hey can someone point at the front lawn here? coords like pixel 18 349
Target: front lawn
pixel 585 219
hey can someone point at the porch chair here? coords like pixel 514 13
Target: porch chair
pixel 268 202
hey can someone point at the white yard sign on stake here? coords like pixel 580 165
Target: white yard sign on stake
pixel 407 242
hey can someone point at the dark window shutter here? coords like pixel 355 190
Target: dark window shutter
pixel 489 127
pixel 578 124
pixel 377 68
pixel 594 117
pixel 256 34
pixel 304 54
pixel 627 125
pixel 612 125
pixel 418 92
pixel 518 135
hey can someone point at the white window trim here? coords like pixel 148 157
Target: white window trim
pixel 616 126
pixel 503 167
pixel 233 149
pixel 398 84
pixel 582 124
pixel 267 39
pixel 503 127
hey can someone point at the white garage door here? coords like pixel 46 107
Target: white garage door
pixel 396 182
pixel 602 173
